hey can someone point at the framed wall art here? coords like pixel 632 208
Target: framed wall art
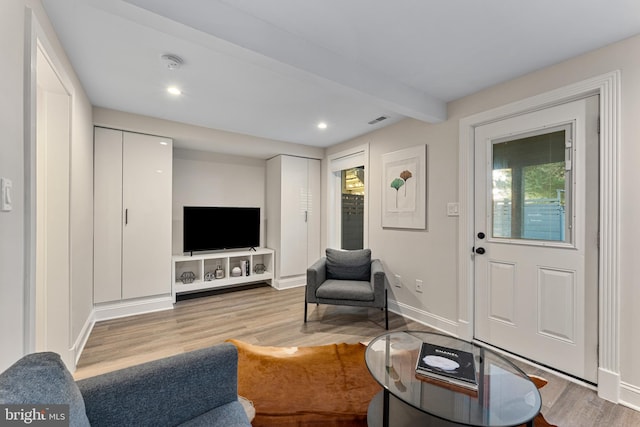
pixel 404 188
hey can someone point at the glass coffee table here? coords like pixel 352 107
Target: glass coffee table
pixel 505 396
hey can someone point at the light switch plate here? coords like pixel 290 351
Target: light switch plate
pixel 453 209
pixel 6 194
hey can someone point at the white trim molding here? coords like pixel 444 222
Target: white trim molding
pixel 126 308
pixel 630 396
pixel 83 336
pixel 608 87
pixel 423 317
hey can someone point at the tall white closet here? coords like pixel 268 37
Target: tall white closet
pixel 132 215
pixel 293 217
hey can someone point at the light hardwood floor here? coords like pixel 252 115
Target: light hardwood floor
pixel 265 316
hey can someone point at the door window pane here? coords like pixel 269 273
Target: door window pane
pixel 352 208
pixel 531 187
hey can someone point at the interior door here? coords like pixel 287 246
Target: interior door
pixel 146 199
pixel 536 217
pixel 294 210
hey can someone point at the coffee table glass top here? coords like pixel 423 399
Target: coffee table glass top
pixel 505 395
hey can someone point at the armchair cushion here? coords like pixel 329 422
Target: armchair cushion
pixel 350 290
pixel 349 265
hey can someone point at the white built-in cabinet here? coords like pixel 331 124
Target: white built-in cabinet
pixel 132 215
pixel 293 217
pixel 204 266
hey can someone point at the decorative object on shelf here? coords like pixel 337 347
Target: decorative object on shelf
pixel 259 268
pixel 187 277
pixel 219 273
pixel 236 272
pixel 209 276
pixel 243 268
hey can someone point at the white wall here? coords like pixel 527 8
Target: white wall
pixel 432 255
pixel 11 166
pixel 428 255
pixel 209 179
pixel 12 149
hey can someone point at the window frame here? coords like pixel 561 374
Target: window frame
pixel 346 159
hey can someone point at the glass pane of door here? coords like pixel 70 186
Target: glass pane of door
pixel 531 195
pixel 352 208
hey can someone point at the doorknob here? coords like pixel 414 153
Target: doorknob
pixel 480 251
pixel 481 235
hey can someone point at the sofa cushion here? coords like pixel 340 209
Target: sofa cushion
pixel 42 379
pixel 164 392
pixel 348 265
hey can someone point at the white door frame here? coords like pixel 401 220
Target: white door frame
pixel 608 87
pixel 339 161
pixel 36 39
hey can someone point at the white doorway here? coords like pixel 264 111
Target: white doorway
pixel 608 87
pixel 536 231
pixel 347 196
pixel 47 235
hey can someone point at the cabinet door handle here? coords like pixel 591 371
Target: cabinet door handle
pixel 306 216
pixel 126 216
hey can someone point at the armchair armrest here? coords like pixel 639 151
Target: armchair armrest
pixel 316 275
pixel 378 281
pixel 168 391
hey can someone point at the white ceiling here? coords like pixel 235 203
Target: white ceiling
pixel 276 68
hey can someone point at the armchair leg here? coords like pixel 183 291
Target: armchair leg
pixel 305 306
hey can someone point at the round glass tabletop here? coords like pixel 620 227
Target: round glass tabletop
pixel 505 396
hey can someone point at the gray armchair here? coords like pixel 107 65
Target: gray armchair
pixel 347 278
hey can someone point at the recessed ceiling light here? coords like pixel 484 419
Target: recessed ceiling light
pixel 174 90
pixel 322 125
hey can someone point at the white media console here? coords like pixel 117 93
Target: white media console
pixel 203 266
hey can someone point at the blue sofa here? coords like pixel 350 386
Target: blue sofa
pixel 198 388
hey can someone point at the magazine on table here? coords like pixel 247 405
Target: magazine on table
pixel 447 364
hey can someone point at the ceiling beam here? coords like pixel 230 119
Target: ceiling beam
pixel 285 52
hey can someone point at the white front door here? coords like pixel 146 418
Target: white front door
pixel 536 218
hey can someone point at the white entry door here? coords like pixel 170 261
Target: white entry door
pixel 536 220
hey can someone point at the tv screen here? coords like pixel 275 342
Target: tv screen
pixel 209 228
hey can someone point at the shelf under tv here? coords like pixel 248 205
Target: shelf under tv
pixel 202 263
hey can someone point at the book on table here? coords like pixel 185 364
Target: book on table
pixel 446 364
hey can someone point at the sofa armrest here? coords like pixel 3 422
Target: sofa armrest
pixel 168 391
pixel 378 281
pixel 316 275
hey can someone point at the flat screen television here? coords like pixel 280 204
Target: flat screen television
pixel 210 228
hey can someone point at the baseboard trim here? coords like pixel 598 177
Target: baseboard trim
pixel 290 282
pixel 132 307
pixel 630 396
pixel 424 317
pixel 83 337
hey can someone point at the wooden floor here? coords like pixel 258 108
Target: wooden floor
pixel 265 316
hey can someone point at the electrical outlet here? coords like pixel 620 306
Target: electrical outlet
pixel 398 281
pixel 419 286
